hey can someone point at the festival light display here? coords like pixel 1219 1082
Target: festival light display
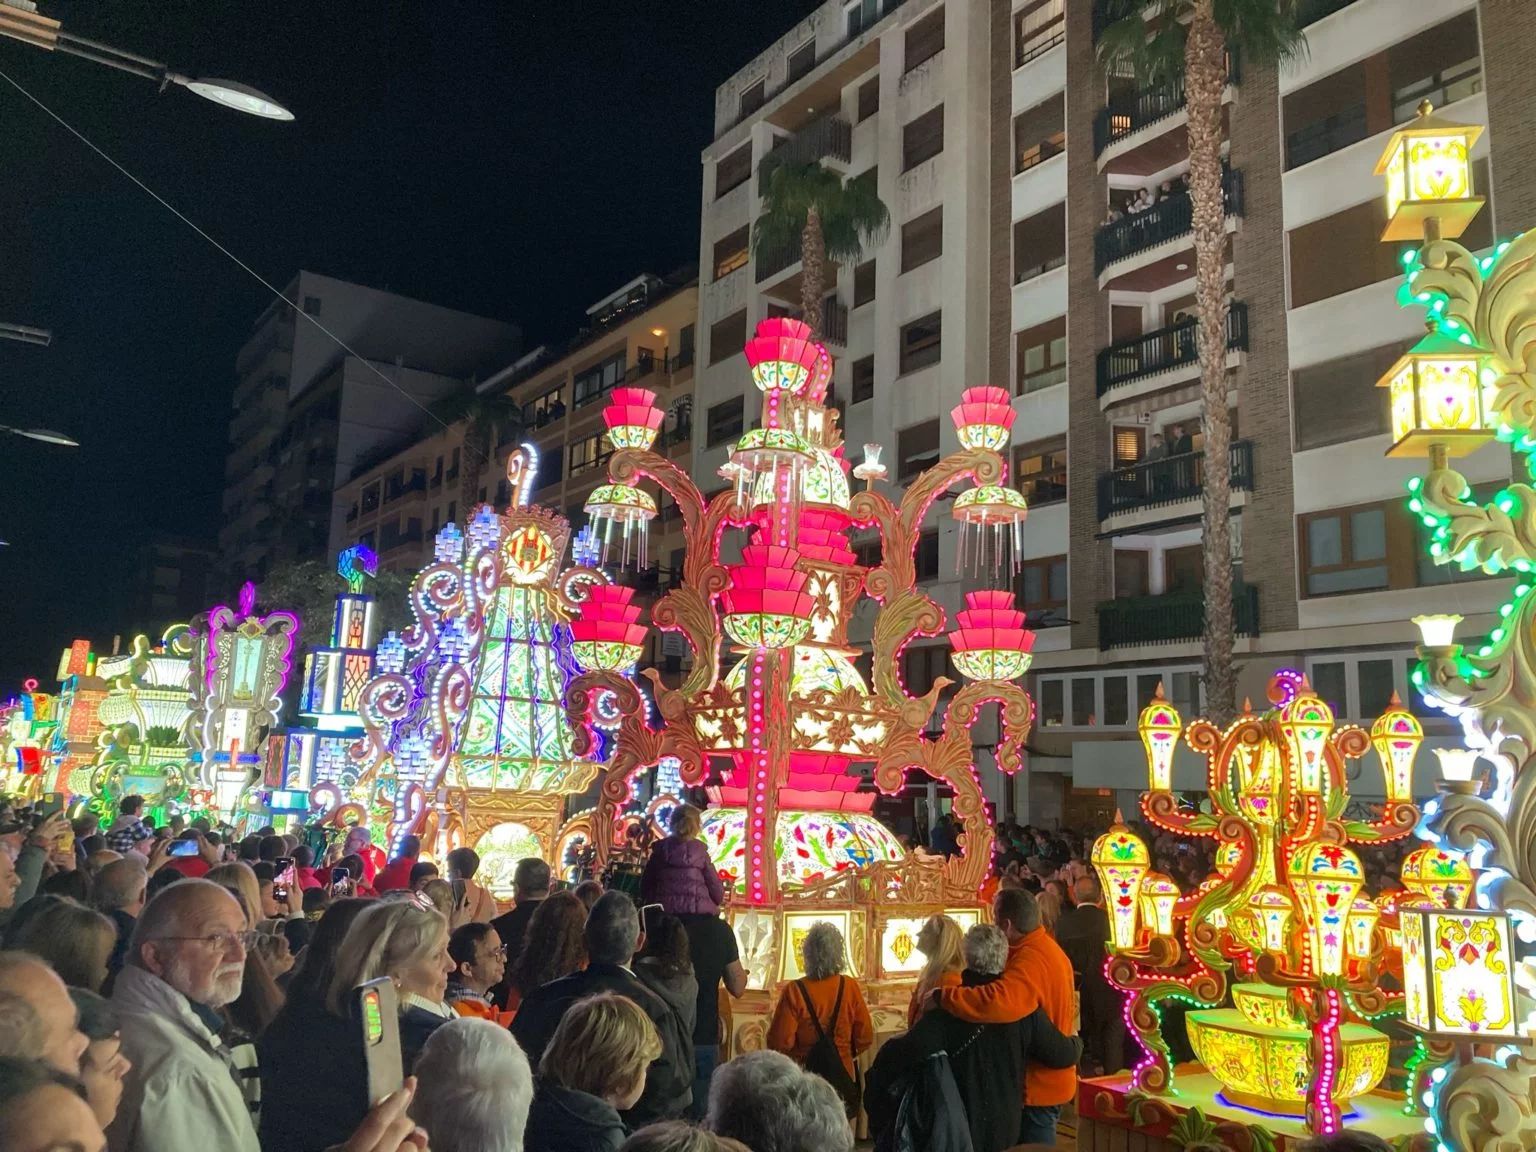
pixel 73 751
pixel 775 734
pixel 143 749
pixel 27 724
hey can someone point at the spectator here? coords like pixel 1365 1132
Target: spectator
pixel 120 891
pixel 938 940
pixel 472 903
pixel 97 858
pixel 987 1060
pixel 439 893
pixel 824 1003
pixel 665 968
pixel 304 872
pixel 474 1088
pixel 594 1068
pixel 767 1102
pixel 1345 1140
pixel 530 885
pixel 10 880
pixel 103 1065
pixel 37 998
pixel 555 946
pixel 1050 908
pixel 269 957
pixel 589 892
pixel 679 875
pixel 75 941
pixel 409 943
pixel 208 854
pixel 185 961
pixel 1037 973
pixel 1082 932
pixel 941 838
pixel 612 934
pixel 312 974
pixel 21 873
pixel 42 1110
pixel 716 960
pixel 128 832
pixel 359 843
pixel 479 964
pixel 397 873
pixel 421 872
pixel 271 848
pixel 73 883
pixel 675 1136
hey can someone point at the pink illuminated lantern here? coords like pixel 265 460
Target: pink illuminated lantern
pixel 767 605
pixel 632 418
pixel 607 636
pixel 990 639
pixel 984 417
pixel 784 357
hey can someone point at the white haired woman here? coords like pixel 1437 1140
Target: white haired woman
pixel 824 1004
pixel 474 1088
pixel 764 1098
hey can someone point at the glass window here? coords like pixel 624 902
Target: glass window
pixel 1146 689
pixel 921 342
pixel 1037 29
pixel 1117 701
pixel 725 421
pixel 1052 702
pixel 922 139
pixel 925 39
pixel 733 170
pixel 863 379
pixel 922 239
pixel 585 454
pixel 1368 534
pixel 1041 589
pixel 754 96
pixel 1186 692
pixel 1330 680
pixel 1376 687
pixel 1338 400
pixel 869 98
pixel 1084 702
pixel 917 448
pixel 928 556
pixel 864 283
pixel 1042 356
pixel 597 381
pixel 801 61
pixel 731 252
pixel 727 337
pixel 1042 471
pixel 1346 551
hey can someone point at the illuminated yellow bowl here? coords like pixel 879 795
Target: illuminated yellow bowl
pixel 1270 1068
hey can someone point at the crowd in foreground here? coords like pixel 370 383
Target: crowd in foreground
pixel 166 990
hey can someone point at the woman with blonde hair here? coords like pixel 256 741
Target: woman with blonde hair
pixel 1050 911
pixel 679 874
pixel 939 939
pixel 593 1069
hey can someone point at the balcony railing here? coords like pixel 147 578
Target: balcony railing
pixel 1172 618
pixel 682 360
pixel 1166 220
pixel 775 259
pixel 1154 483
pixel 1311 11
pixel 1147 106
pixel 393 491
pixel 831 136
pixel 834 322
pixel 1164 349
pixel 1321 137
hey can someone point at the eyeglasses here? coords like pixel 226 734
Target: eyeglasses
pixel 220 941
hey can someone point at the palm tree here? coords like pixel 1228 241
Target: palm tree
pixel 828 215
pixel 1162 41
pixel 485 415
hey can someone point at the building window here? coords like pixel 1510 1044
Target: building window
pixel 1039 133
pixel 586 454
pixel 1338 400
pixel 311 305
pixel 801 61
pixel 1037 29
pixel 922 139
pixel 541 410
pixel 731 252
pixel 927 556
pixel 724 422
pixel 869 99
pixel 1042 356
pixel 921 343
pixel 754 96
pixel 863 283
pixel 1041 588
pixel 1040 243
pixel 863 379
pixel 453 511
pixel 597 381
pixel 925 39
pixel 727 337
pixel 922 239
pixel 1042 471
pixel 1345 551
pixel 917 448
pixel 733 170
pixel 862 14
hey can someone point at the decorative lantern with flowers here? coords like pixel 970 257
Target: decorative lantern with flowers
pixel 607 634
pixel 766 605
pixel 1122 862
pixel 632 418
pixel 990 640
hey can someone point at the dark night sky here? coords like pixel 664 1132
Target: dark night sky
pixel 515 158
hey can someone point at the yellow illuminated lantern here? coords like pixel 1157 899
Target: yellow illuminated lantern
pixel 1396 736
pixel 1272 910
pixel 1159 894
pixel 1122 862
pixel 1438 877
pixel 1325 879
pixel 1306 723
pixel 1438 398
pixel 1362 926
pixel 1428 170
pixel 1458 973
pixel 1159 726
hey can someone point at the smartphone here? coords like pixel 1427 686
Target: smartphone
pixel 182 848
pixel 50 803
pixel 67 841
pixel 649 915
pixel 280 893
pixel 378 1011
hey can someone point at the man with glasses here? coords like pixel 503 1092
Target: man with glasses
pixel 479 963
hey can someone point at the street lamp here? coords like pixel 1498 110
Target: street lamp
pixel 42 435
pixel 20 20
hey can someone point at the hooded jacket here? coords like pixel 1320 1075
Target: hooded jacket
pixel 681 992
pixel 680 877
pixel 565 1120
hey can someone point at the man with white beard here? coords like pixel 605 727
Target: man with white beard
pixel 185 960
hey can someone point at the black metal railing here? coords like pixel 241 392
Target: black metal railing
pixel 1154 483
pixel 776 258
pixel 1321 137
pixel 1166 220
pixel 1147 106
pixel 1049 264
pixel 834 322
pixel 395 491
pixel 682 360
pixel 1311 11
pixel 1171 618
pixel 831 136
pixel 1164 349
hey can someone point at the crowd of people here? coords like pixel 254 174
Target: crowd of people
pixel 170 988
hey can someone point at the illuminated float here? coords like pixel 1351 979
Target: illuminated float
pixel 73 752
pixel 26 734
pixel 143 746
pixel 778 733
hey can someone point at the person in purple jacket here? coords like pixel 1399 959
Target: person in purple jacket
pixel 679 875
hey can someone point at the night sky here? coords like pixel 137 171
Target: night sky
pixel 515 158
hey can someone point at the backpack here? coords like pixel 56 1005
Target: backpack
pixel 931 1116
pixel 824 1059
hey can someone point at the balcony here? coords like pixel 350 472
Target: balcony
pixel 1168 220
pixel 1311 11
pixel 1171 619
pixel 1325 136
pixel 1164 350
pixel 772 261
pixel 394 491
pixel 834 322
pixel 1124 117
pixel 831 137
pixel 1172 480
pixel 683 359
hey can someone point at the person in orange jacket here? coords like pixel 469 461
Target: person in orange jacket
pixel 479 963
pixel 1038 974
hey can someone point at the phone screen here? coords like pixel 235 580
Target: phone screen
pixel 649 914
pixel 50 803
pixel 378 1014
pixel 183 848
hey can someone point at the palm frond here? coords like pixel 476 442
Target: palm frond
pixel 1264 31
pixel 852 215
pixel 853 220
pixel 1145 40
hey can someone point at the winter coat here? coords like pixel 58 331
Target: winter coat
pixel 680 992
pixel 181 1093
pixel 565 1120
pixel 314 1076
pixel 680 877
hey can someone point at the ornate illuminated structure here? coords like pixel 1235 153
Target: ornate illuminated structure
pixel 26 733
pixel 74 748
pixel 468 703
pixel 777 735
pixel 143 747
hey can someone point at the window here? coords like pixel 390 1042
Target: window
pixel 1442 64
pixel 727 337
pixel 725 421
pixel 754 96
pixel 1345 550
pixel 1042 356
pixel 1037 29
pixel 925 39
pixel 917 448
pixel 927 556
pixel 731 252
pixel 801 61
pixel 311 305
pixel 921 666
pixel 1039 133
pixel 733 170
pixel 1040 243
pixel 542 409
pixel 864 283
pixel 1052 702
pixel 586 454
pixel 1338 400
pixel 453 469
pixel 1117 701
pixel 862 14
pixel 867 552
pixel 922 239
pixel 920 342
pixel 869 99
pixel 597 381
pixel 1041 588
pixel 1042 471
pixel 922 139
pixel 863 379
pixel 453 511
pixel 1084 701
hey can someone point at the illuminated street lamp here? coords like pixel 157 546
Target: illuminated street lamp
pixel 1428 166
pixel 1437 398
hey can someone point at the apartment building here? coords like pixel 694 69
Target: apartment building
pixel 641 336
pixel 1041 238
pixel 306 411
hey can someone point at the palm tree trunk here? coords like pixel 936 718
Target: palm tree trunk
pixel 1204 79
pixel 813 270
